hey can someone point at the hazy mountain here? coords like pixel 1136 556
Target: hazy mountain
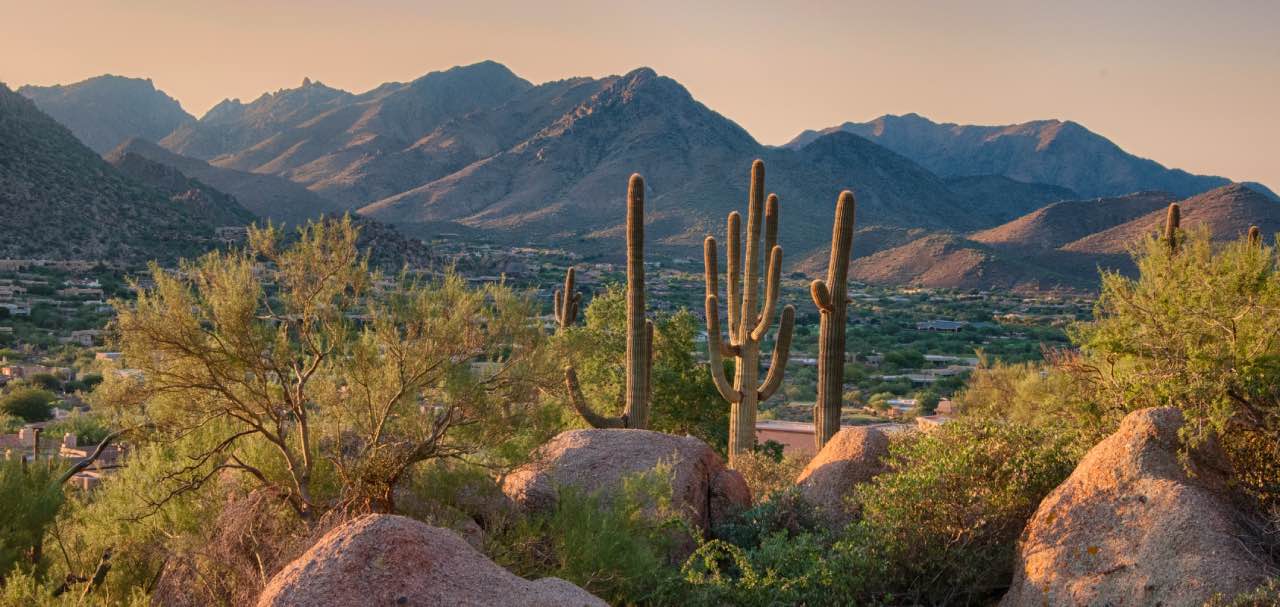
pixel 205 203
pixel 1045 151
pixel 1002 198
pixel 267 196
pixel 61 200
pixel 337 142
pixel 107 110
pixel 566 182
pixel 1063 222
pixel 949 261
pixel 1227 212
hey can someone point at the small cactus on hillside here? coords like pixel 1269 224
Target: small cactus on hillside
pixel 566 302
pixel 639 329
pixel 1171 223
pixel 831 297
pixel 748 321
pixel 1255 236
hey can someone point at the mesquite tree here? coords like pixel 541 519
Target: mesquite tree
pixel 748 320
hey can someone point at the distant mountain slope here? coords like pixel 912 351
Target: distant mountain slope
pixel 1045 151
pixel 60 200
pixel 566 181
pixel 1063 222
pixel 331 139
pixel 267 196
pixel 105 111
pixel 947 261
pixel 1002 198
pixel 165 171
pixel 205 203
pixel 1227 212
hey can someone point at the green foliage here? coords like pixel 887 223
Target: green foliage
pixel 30 404
pixel 615 547
pixel 89 428
pixel 10 423
pixel 45 381
pixel 340 380
pixel 684 399
pixel 926 402
pixel 1195 330
pixel 30 502
pixel 948 515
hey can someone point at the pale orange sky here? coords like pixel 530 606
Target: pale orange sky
pixel 1192 85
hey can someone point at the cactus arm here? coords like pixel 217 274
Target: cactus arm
pixel 771 222
pixel 595 420
pixel 821 295
pixel 770 294
pixel 712 273
pixel 733 271
pixel 781 351
pixel 649 356
pixel 556 307
pixel 714 358
pixel 751 280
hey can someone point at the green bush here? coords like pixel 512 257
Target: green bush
pixel 30 504
pixel 30 404
pixel 88 428
pixel 617 548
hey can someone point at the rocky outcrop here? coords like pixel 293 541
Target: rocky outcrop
pixel 598 461
pixel 852 457
pixel 392 560
pixel 1131 526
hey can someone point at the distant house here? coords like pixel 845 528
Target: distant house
pixel 108 356
pixel 946 326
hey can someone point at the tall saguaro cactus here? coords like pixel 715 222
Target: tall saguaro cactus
pixel 639 329
pixel 748 321
pixel 831 297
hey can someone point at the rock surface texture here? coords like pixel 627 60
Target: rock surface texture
pixel 600 460
pixel 1131 527
pixel 392 560
pixel 852 457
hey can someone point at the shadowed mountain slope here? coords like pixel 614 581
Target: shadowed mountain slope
pixel 105 111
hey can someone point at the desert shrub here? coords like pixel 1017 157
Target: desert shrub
pixel 767 473
pixel 948 514
pixel 88 428
pixel 1268 595
pixel 30 504
pixel 940 527
pixel 618 547
pixel 45 381
pixel 30 404
pixel 1196 330
pixel 10 423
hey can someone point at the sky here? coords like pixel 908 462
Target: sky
pixel 1193 85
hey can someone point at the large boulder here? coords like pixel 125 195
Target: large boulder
pixel 382 559
pixel 597 461
pixel 1131 527
pixel 852 457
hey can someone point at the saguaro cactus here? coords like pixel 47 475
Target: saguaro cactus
pixel 1171 221
pixel 831 297
pixel 639 329
pixel 566 302
pixel 1255 236
pixel 748 322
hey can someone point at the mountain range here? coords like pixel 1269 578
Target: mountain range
pixel 477 148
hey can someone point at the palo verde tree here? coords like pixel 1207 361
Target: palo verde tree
pixel 749 324
pixel 324 387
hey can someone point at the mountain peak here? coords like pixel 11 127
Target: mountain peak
pixel 105 110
